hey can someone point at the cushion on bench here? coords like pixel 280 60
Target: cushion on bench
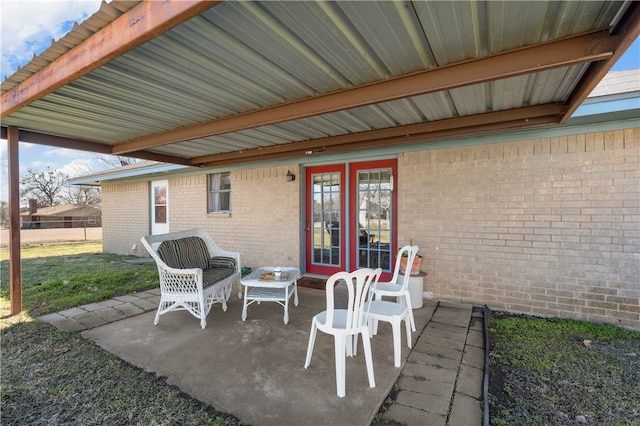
pixel 213 275
pixel 222 262
pixel 185 253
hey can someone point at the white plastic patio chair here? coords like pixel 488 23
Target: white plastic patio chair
pixel 399 290
pixel 391 312
pixel 346 324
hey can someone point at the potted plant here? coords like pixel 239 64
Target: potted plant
pixel 417 262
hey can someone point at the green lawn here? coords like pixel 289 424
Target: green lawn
pixel 562 372
pixel 61 276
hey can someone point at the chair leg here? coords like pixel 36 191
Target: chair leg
pixel 408 327
pixel 341 364
pixel 374 328
pixel 158 313
pixel 407 302
pixel 312 340
pixel 397 350
pixel 366 342
pixel 350 347
pixel 354 347
pixel 201 308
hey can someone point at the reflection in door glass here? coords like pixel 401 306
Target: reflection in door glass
pixel 160 203
pixel 326 219
pixel 374 219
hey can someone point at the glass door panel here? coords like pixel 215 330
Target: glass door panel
pixel 374 219
pixel 324 222
pixel 373 203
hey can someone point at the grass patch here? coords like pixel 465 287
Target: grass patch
pixel 558 372
pixel 55 377
pixel 61 276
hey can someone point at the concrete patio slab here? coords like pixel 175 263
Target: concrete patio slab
pixel 410 416
pixel 446 334
pixel 254 369
pixel 466 383
pixel 434 361
pixel 465 410
pixel 428 387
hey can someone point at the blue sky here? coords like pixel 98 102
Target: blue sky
pixel 27 27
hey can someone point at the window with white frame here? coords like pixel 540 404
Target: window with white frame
pixel 219 192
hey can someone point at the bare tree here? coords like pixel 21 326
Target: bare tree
pixel 84 195
pixel 111 161
pixel 4 214
pixel 47 187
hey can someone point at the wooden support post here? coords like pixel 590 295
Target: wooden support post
pixel 15 267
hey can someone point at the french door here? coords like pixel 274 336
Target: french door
pixel 350 218
pixel 325 219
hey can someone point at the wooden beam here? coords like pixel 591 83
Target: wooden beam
pixel 434 137
pixel 401 133
pixel 586 47
pixel 100 148
pixel 15 266
pixel 626 32
pixel 454 127
pixel 136 26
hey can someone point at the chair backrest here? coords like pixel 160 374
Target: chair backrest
pixel 358 283
pixel 410 252
pixel 153 245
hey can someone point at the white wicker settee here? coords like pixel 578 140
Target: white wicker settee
pixel 194 272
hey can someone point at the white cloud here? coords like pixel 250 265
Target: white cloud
pixel 77 167
pixel 28 27
pixel 69 161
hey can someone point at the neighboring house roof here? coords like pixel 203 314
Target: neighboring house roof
pixel 618 83
pixel 65 210
pixel 617 97
pixel 209 83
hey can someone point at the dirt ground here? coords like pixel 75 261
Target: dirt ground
pixel 57 235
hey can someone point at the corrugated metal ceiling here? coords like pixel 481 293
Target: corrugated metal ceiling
pixel 239 57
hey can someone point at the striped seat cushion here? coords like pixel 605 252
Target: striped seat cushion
pixel 213 275
pixel 222 262
pixel 185 253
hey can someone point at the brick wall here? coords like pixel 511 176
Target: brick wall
pixel 125 214
pixel 547 226
pixel 264 225
pixel 266 216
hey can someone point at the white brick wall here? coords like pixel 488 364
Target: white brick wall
pixel 125 217
pixel 548 226
pixel 264 224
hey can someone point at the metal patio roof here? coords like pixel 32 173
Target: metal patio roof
pixel 219 83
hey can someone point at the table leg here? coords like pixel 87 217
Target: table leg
pixel 244 305
pixel 286 305
pixel 295 292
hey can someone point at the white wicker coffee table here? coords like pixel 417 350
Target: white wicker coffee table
pixel 262 286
